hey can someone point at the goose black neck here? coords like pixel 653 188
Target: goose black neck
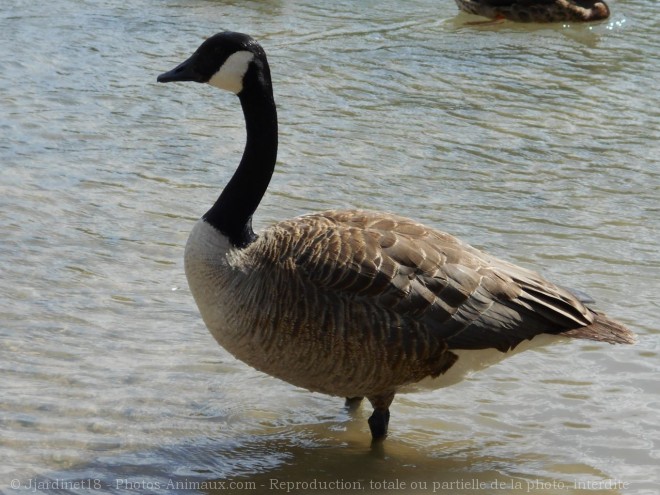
pixel 232 212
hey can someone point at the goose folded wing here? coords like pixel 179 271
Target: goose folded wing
pixel 464 296
pixel 511 304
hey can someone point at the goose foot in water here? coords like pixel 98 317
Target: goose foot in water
pixel 352 403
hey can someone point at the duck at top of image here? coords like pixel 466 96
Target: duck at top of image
pixel 537 10
pixel 354 303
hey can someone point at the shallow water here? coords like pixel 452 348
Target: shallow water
pixel 538 143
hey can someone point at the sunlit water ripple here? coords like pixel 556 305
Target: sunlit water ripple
pixel 538 143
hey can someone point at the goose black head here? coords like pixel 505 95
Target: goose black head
pixel 223 61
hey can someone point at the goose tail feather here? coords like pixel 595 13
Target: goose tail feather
pixel 603 329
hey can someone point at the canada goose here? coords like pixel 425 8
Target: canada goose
pixel 352 303
pixel 538 10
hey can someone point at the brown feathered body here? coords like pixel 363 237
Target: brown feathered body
pixel 357 303
pixel 538 10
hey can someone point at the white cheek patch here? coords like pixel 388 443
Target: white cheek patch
pixel 230 75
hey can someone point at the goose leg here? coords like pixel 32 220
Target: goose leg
pixel 380 418
pixel 352 403
pixel 378 423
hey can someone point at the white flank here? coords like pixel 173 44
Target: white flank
pixel 471 361
pixel 230 76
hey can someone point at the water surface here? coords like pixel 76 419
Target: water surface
pixel 538 143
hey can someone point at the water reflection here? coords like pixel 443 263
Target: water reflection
pixel 304 459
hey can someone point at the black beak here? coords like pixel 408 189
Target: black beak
pixel 185 71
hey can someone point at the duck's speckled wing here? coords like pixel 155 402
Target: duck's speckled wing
pixel 520 3
pixel 469 298
pixel 538 10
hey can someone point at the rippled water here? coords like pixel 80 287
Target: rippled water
pixel 539 143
